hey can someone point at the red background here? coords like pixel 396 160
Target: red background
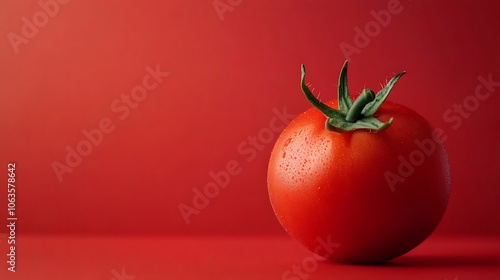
pixel 226 77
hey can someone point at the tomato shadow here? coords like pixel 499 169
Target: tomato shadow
pixel 424 261
pixel 470 261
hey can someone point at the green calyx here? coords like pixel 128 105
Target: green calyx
pixel 352 115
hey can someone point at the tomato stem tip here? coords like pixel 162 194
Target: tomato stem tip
pixel 359 104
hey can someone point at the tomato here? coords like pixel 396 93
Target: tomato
pixel 377 185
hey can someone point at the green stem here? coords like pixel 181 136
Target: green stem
pixel 351 115
pixel 364 98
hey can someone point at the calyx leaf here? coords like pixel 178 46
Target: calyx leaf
pixel 351 115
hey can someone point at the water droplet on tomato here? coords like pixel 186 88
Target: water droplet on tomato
pixel 287 142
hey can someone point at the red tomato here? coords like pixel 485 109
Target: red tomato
pixel 377 190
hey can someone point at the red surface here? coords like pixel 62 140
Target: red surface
pixel 238 257
pixel 229 82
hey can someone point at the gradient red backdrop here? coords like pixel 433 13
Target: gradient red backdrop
pixel 230 71
pixel 162 97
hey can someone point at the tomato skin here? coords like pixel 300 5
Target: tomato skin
pixel 329 185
